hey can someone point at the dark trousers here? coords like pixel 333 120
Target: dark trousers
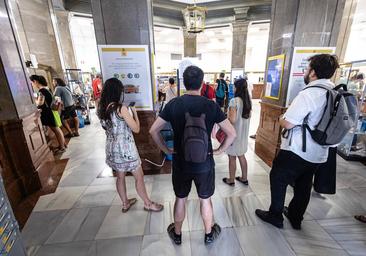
pixel 290 169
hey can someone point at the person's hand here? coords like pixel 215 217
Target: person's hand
pixel 217 151
pixel 169 151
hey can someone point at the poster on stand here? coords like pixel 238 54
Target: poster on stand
pixel 299 65
pixel 274 76
pixel 130 64
pixel 185 63
pixel 236 73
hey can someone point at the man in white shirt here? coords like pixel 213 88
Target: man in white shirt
pixel 292 165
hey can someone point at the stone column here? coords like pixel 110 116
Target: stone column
pixel 63 28
pixel 23 146
pixel 39 35
pixel 240 32
pixel 122 23
pixel 294 23
pixel 190 44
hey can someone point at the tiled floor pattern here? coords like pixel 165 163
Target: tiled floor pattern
pixel 83 216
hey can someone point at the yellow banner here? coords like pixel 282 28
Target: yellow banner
pixel 328 51
pixel 123 49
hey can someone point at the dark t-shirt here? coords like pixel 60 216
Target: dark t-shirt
pixel 174 112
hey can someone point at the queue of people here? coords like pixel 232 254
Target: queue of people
pixel 56 109
pixel 192 118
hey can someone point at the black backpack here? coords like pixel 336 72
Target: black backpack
pixel 195 139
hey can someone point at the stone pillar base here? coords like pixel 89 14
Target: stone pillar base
pixel 145 144
pixel 268 139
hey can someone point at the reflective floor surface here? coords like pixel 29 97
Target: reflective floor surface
pixel 83 216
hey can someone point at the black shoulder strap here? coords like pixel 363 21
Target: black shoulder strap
pixel 206 91
pixel 318 86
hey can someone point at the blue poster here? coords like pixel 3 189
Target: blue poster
pixel 274 76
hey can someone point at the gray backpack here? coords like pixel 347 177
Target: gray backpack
pixel 195 139
pixel 338 118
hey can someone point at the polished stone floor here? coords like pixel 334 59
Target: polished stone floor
pixel 83 216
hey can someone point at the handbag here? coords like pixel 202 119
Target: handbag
pixel 325 176
pixel 57 118
pixel 220 136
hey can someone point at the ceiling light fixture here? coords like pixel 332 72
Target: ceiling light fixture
pixel 194 18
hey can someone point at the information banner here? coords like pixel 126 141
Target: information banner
pixel 130 64
pixel 274 76
pixel 299 65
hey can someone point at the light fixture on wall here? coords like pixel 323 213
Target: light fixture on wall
pixel 194 18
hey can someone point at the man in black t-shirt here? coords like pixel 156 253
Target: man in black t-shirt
pixel 184 172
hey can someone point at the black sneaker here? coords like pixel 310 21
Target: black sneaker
pixel 215 232
pixel 295 225
pixel 269 217
pixel 176 238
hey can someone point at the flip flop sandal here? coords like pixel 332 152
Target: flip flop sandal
pixel 361 218
pixel 131 202
pixel 150 209
pixel 226 181
pixel 245 182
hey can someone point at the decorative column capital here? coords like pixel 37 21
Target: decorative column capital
pixel 241 13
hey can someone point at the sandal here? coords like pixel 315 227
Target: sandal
pixel 245 182
pixel 226 181
pixel 154 207
pixel 127 206
pixel 361 218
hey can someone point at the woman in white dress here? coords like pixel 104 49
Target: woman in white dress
pixel 171 90
pixel 240 108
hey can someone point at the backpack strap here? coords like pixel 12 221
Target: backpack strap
pixel 206 91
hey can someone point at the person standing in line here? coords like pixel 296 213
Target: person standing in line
pixel 192 118
pixel 240 108
pixel 171 90
pixel 44 101
pixel 119 121
pixel 292 165
pixel 68 112
pixel 97 89
pixel 221 90
pixel 208 91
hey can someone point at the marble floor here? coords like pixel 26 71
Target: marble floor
pixel 83 216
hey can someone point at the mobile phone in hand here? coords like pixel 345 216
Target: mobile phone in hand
pixel 132 103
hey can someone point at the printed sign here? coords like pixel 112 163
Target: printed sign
pixel 131 65
pixel 299 65
pixel 274 76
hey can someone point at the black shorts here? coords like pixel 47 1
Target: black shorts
pixel 68 112
pixel 205 183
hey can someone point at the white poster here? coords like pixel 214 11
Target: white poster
pixel 130 64
pixel 236 73
pixel 298 66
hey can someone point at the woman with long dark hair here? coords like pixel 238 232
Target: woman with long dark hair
pixel 44 101
pixel 240 109
pixel 119 121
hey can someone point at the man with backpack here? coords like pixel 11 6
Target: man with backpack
pixel 317 118
pixel 192 118
pixel 221 90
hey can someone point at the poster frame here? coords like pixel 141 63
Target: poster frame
pixel 276 57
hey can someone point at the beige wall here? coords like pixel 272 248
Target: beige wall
pixel 37 35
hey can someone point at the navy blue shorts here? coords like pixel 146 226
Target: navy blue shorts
pixel 204 182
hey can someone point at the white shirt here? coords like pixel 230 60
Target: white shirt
pixel 311 101
pixel 171 93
